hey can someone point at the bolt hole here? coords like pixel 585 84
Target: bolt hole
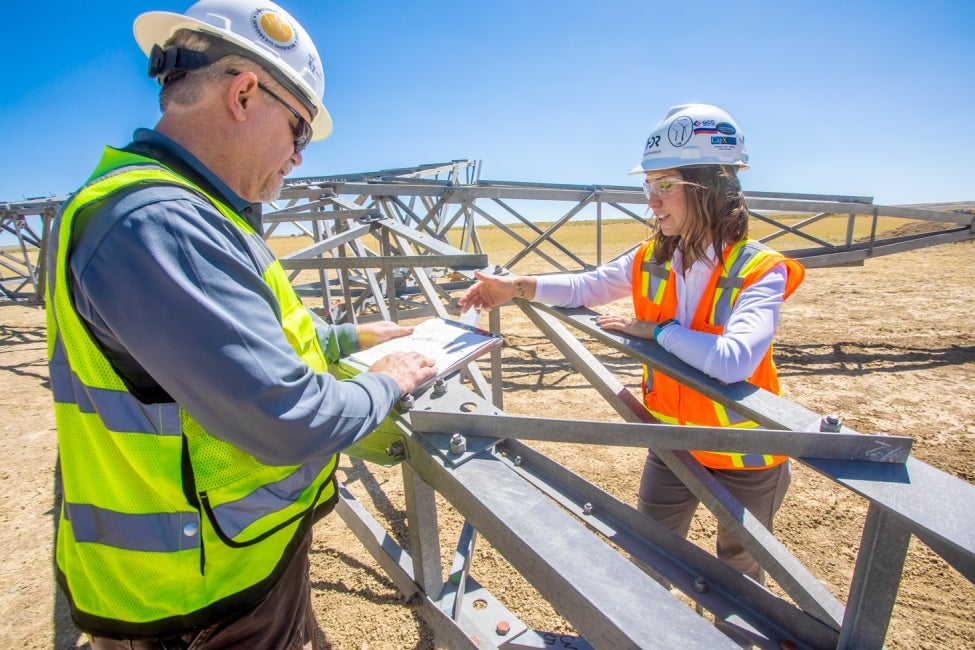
pixel 468 407
pixel 480 603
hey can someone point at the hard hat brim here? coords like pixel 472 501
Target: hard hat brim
pixel 155 27
pixel 676 164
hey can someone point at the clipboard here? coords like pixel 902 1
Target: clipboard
pixel 449 343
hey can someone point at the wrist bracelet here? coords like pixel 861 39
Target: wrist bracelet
pixel 661 326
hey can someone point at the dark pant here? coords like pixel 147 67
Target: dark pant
pixel 666 499
pixel 283 620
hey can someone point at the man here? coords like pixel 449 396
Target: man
pixel 198 428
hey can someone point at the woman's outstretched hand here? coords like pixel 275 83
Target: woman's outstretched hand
pixel 492 290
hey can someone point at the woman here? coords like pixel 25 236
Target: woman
pixel 704 292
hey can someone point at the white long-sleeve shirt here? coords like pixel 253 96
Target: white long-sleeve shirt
pixel 731 357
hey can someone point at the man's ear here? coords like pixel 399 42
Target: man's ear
pixel 240 94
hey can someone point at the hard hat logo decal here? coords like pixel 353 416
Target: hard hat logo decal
pixel 691 135
pixel 652 143
pixel 705 126
pixel 315 67
pixel 274 29
pixel 680 131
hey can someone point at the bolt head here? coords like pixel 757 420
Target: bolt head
pixel 458 444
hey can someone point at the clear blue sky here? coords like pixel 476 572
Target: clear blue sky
pixel 873 98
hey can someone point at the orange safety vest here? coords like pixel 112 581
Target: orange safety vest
pixel 655 299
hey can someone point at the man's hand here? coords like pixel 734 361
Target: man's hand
pixel 371 334
pixel 408 369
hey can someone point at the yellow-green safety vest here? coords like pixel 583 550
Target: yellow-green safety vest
pixel 163 527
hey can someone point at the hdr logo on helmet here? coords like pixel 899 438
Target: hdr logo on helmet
pixel 652 143
pixel 274 29
pixel 314 67
pixel 680 131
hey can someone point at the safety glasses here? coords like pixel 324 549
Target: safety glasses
pixel 662 187
pixel 301 130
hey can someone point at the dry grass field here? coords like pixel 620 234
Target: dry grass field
pixel 889 346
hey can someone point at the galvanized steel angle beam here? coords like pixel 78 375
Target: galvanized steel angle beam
pixel 842 446
pixel 440 444
pixel 310 211
pixel 397 564
pixel 668 558
pixel 807 591
pixel 430 243
pixel 796 229
pixel 456 399
pixel 514 235
pixel 913 492
pixel 25 267
pixel 876 578
pixel 329 244
pixel 463 598
pixel 934 505
pixel 584 579
pixel 543 235
pixel 452 595
pixel 551 229
pixel 459 261
pixel 496 623
pixel 766 409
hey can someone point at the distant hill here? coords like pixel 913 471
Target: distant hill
pixel 959 206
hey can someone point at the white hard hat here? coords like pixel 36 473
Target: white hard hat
pixel 257 29
pixel 693 134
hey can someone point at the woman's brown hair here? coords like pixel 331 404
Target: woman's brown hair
pixel 717 214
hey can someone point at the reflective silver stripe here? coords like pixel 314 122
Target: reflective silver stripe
pixel 235 516
pixel 658 273
pixel 655 270
pixel 259 251
pixel 722 309
pixel 753 460
pixel 726 286
pixel 118 410
pixel 158 532
pixel 731 283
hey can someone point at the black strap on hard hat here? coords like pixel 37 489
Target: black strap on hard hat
pixel 164 61
pixel 171 63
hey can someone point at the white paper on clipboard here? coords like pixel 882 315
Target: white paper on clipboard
pixel 449 343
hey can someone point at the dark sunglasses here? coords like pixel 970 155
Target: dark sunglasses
pixel 302 130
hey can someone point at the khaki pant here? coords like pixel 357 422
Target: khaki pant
pixel 667 500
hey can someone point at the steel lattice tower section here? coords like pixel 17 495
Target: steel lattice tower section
pixel 380 248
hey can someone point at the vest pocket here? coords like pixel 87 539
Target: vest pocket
pixel 244 519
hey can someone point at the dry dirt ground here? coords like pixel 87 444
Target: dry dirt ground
pixel 889 346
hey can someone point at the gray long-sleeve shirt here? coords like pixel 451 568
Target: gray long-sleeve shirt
pixel 168 289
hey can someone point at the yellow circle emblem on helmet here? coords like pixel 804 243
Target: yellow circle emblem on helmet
pixel 276 28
